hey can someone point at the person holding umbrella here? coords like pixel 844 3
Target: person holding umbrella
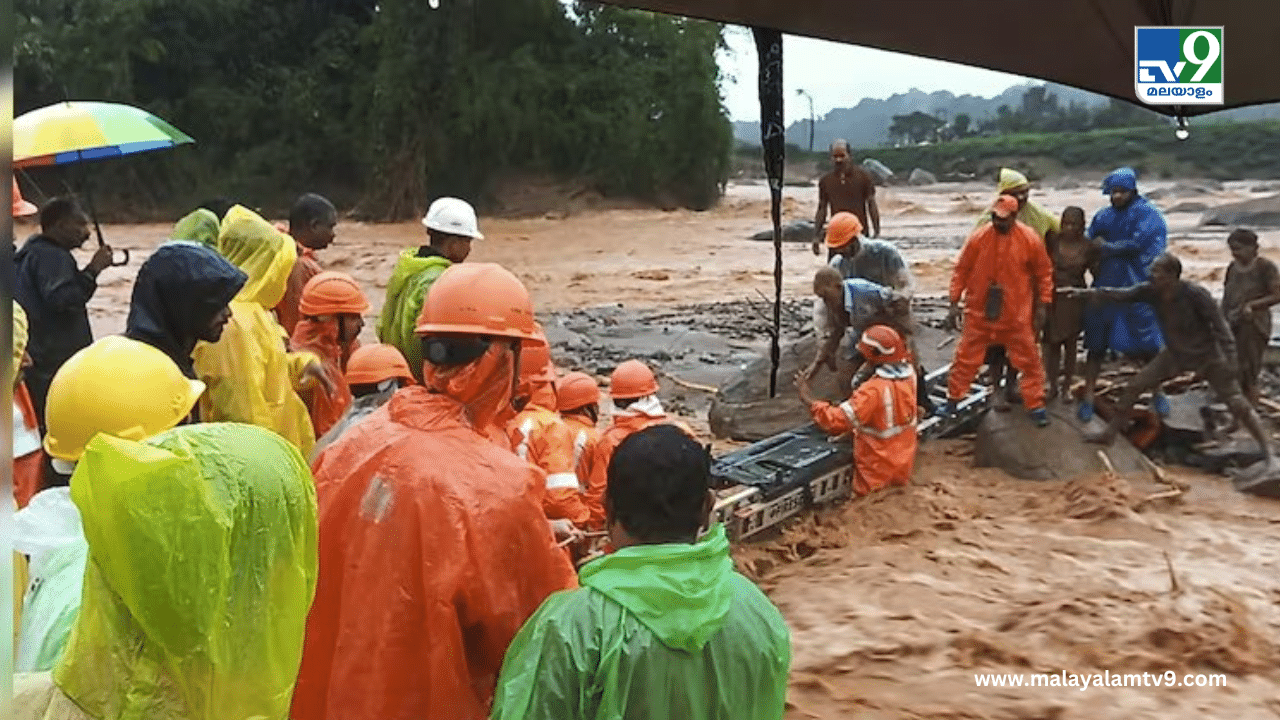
pixel 55 293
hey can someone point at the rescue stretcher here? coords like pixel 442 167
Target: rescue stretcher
pixel 769 481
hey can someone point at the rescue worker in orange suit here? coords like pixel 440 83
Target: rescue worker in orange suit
pixel 331 307
pixel 634 391
pixel 540 437
pixel 434 548
pixel 374 373
pixel 312 220
pixel 578 400
pixel 881 413
pixel 1000 264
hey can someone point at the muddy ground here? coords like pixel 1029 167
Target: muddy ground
pixel 896 601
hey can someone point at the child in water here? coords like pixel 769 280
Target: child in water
pixel 1072 254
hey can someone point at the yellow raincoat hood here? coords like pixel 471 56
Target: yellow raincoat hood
pixel 202 568
pixel 1011 179
pixel 264 253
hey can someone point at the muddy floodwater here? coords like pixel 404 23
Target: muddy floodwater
pixel 897 602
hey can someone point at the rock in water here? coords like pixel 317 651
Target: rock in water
pixel 1263 211
pixel 879 171
pixel 921 177
pixel 1012 442
pixel 743 410
pixel 800 231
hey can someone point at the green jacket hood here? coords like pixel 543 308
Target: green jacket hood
pixel 681 592
pixel 409 264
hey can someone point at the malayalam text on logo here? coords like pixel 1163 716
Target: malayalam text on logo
pixel 1178 65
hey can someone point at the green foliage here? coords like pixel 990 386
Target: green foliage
pixel 1223 151
pixel 383 105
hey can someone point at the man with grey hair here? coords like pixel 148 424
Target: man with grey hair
pixel 847 188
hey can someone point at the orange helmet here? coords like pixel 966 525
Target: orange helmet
pixel 21 208
pixel 371 364
pixel 332 293
pixel 844 226
pixel 535 362
pixel 632 379
pixel 882 344
pixel 575 390
pixel 478 299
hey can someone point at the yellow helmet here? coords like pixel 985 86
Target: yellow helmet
pixel 116 386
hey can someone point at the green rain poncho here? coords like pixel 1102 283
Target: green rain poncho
pixel 410 281
pixel 202 567
pixel 656 631
pixel 199 226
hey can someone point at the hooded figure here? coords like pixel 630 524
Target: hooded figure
pixel 434 547
pixel 251 376
pixel 1133 236
pixel 661 628
pixel 331 306
pixel 181 296
pixel 200 226
pixel 201 619
pixel 1014 183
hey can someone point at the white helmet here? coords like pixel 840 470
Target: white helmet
pixel 453 216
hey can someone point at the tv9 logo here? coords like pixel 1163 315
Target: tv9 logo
pixel 1178 65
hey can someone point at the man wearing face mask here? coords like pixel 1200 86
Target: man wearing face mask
pixel 182 295
pixel 55 293
pixel 332 305
pixel 433 545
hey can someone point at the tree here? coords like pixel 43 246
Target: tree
pixel 915 128
pixel 960 125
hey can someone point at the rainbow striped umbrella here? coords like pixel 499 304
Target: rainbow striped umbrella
pixel 75 131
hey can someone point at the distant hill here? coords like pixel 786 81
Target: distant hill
pixel 867 124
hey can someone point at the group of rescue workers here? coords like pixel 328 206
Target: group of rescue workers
pixel 236 510
pixel 1019 297
pixel 185 560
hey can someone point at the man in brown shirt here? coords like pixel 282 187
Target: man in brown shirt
pixel 1196 338
pixel 1251 288
pixel 847 188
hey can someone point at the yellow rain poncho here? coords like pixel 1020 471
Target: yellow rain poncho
pixel 1041 220
pixel 202 567
pixel 251 376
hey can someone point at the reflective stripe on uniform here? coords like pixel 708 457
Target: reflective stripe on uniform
pixel 522 449
pixel 562 480
pixel 847 409
pixel 886 397
pixel 579 445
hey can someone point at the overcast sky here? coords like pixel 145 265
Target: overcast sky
pixel 839 75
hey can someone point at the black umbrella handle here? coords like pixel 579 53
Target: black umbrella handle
pixel 97 229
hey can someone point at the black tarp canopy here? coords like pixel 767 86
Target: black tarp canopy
pixel 1083 43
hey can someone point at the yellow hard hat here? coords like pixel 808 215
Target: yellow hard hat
pixel 116 386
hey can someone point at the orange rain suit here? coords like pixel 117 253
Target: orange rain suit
pixel 320 337
pixel 304 269
pixel 881 414
pixel 1016 262
pixel 433 552
pixel 540 437
pixel 596 465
